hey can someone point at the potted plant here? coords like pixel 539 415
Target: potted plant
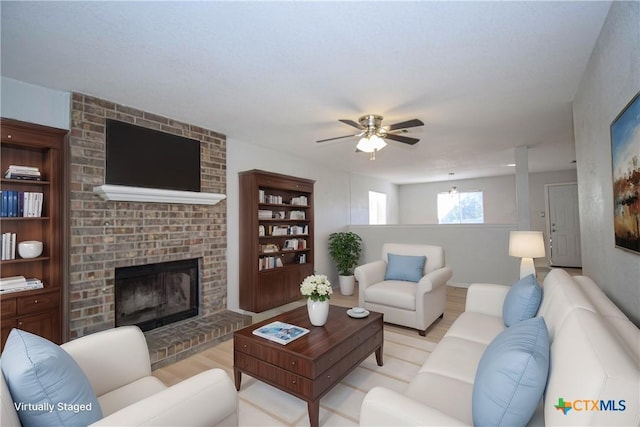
pixel 345 248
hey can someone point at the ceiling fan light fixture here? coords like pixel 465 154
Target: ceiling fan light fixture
pixel 372 143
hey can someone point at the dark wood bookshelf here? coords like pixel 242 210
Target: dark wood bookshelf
pixel 263 289
pixel 39 310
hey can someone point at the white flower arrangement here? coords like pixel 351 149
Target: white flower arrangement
pixel 316 287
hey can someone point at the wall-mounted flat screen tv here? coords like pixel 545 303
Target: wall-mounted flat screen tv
pixel 142 157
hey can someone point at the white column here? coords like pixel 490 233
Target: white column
pixel 522 187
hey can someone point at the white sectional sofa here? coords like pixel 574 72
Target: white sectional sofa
pixel 594 362
pixel 117 367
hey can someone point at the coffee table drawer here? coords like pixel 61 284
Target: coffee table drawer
pixel 274 356
pixel 339 369
pixel 347 347
pixel 278 377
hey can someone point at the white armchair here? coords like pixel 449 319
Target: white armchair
pixel 116 363
pixel 413 304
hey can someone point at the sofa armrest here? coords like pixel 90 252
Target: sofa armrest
pixel 384 407
pixel 206 399
pixel 111 358
pixel 369 274
pixel 434 279
pixel 486 298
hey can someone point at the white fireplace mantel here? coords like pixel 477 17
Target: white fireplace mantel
pixel 123 193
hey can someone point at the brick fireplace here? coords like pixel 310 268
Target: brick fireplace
pixel 105 235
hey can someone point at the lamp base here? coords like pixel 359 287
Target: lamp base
pixel 527 267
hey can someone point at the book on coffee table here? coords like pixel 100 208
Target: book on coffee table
pixel 280 332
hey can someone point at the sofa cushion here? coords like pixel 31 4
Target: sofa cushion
pixel 476 327
pixel 49 384
pixel 130 394
pixel 393 293
pixel 405 267
pixel 512 375
pixel 455 358
pixel 522 301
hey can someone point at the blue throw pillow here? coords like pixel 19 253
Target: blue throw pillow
pixel 47 386
pixel 522 301
pixel 512 375
pixel 405 267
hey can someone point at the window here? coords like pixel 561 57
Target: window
pixel 377 208
pixel 461 208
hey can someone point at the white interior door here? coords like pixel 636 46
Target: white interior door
pixel 564 225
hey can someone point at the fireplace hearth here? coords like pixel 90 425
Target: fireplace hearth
pixel 154 295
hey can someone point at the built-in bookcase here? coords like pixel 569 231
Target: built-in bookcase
pixel 39 310
pixel 276 238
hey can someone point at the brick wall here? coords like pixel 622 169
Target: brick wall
pixel 106 235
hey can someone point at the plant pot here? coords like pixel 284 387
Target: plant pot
pixel 318 312
pixel 347 283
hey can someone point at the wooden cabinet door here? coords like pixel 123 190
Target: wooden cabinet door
pixel 293 279
pixel 5 327
pixel 46 325
pixel 270 290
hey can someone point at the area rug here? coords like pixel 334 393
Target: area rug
pixel 264 405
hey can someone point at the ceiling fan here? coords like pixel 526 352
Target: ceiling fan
pixel 372 134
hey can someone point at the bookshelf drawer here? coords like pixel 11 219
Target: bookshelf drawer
pixel 8 307
pixel 38 303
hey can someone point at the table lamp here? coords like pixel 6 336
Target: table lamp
pixel 526 245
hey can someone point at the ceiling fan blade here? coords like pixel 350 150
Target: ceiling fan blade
pixel 403 125
pixel 351 123
pixel 337 137
pixel 400 138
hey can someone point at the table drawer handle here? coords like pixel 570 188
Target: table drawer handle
pixel 293 381
pixel 293 363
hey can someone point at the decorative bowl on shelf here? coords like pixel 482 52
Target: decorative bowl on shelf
pixel 30 249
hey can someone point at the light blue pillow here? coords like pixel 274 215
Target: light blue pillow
pixel 46 384
pixel 522 301
pixel 405 267
pixel 512 375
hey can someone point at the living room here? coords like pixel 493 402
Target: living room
pixel 609 82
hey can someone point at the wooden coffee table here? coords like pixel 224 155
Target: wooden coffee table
pixel 311 365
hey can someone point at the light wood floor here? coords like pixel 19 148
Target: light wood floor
pixel 221 355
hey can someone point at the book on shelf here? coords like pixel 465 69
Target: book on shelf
pixel 297 215
pixel 299 201
pixel 294 244
pixel 19 283
pixel 8 246
pixel 269 248
pixel 22 172
pixel 280 332
pixel 21 204
pixel 265 214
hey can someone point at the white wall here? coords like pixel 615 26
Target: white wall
pixel 611 79
pixel 360 187
pixel 418 202
pixel 34 104
pixel 331 204
pixel 475 252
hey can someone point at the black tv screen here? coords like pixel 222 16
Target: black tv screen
pixel 141 157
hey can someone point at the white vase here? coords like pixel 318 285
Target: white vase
pixel 347 283
pixel 318 312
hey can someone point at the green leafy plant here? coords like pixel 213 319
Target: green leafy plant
pixel 345 248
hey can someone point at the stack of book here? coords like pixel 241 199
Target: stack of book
pixel 22 172
pixel 8 246
pixel 299 201
pixel 19 283
pixel 21 204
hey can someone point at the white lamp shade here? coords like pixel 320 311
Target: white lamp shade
pixel 526 244
pixel 371 144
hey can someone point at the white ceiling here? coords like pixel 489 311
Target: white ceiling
pixel 484 77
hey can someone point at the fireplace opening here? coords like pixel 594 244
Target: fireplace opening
pixel 155 295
